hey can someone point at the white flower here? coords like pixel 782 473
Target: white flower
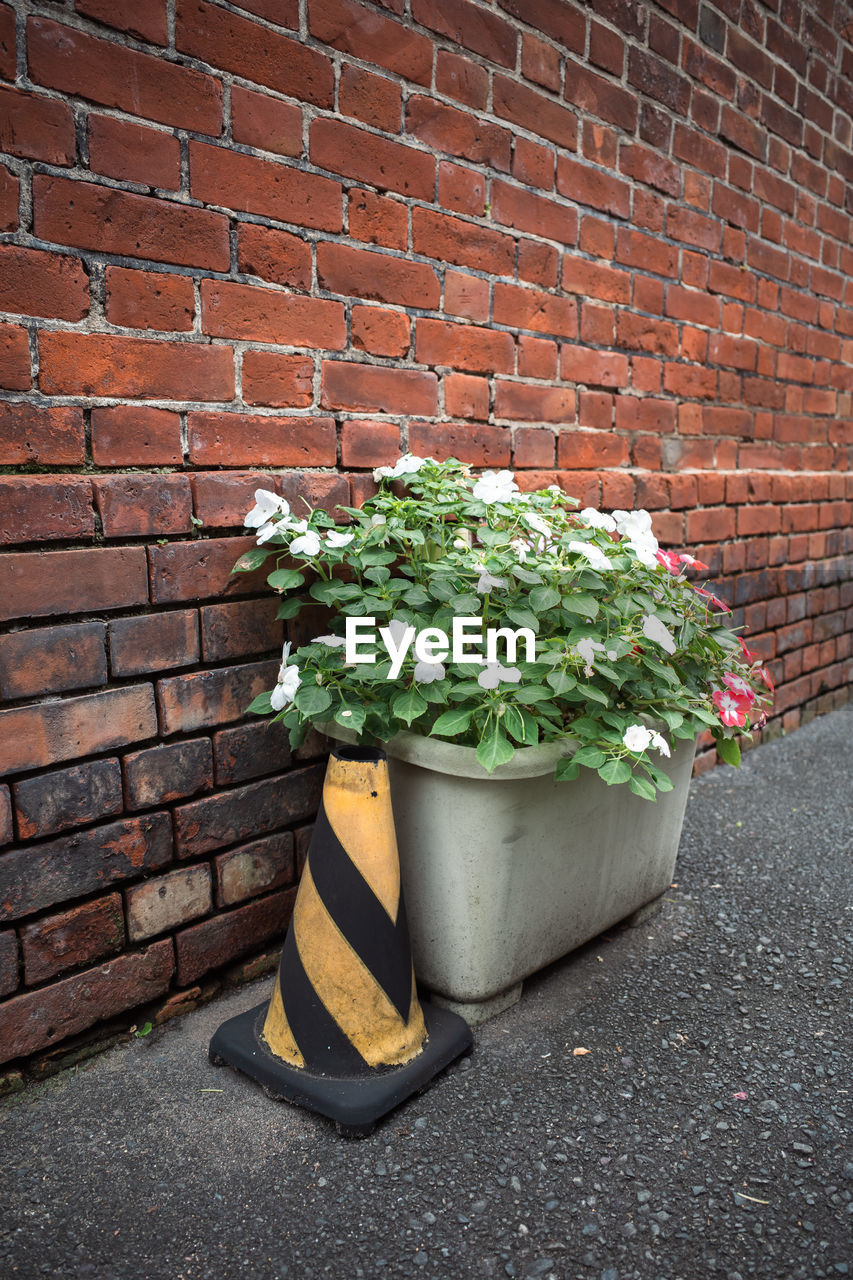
pixel 660 744
pixel 331 642
pixel 637 737
pixel 653 629
pixel 288 681
pixel 266 506
pixel 536 522
pixel 586 649
pixel 595 556
pixel 495 486
pixel 307 544
pixel 598 519
pixel 522 548
pixel 633 524
pixel 493 674
pixel 488 580
pixel 335 539
pixel 463 540
pixel 266 531
pixel 377 521
pixel 645 551
pixel 426 672
pixel 407 465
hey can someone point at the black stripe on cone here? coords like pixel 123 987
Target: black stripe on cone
pixel 344 1033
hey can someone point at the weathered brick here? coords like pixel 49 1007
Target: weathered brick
pixel 9 193
pixel 234 180
pixel 42 734
pixel 380 276
pixel 466 295
pixel 377 388
pixel 149 300
pixel 193 570
pixel 524 402
pixel 478 445
pixel 460 346
pixel 249 751
pixel 35 283
pixel 36 127
pixel 371 37
pixel 231 310
pixel 52 660
pixel 239 628
pixel 127 435
pixel 448 239
pixel 274 255
pixel 8 963
pixel 166 901
pixel 466 396
pixel 244 812
pixel 242 439
pixel 211 697
pixel 254 868
pixel 369 444
pixel 266 123
pixel 114 75
pixel 5 815
pixel 532 309
pixel 134 153
pixel 73 866
pixel 40 583
pixel 148 21
pixel 139 505
pixel 39 1018
pixel 376 219
pixel 380 332
pixel 375 100
pixel 106 365
pixel 458 133
pixel 479 30
pixel 45 508
pixel 64 798
pixel 514 207
pixel 222 498
pixel 221 939
pixel 534 111
pixel 173 772
pixel 461 78
pixel 14 358
pixel 342 148
pixel 271 378
pixel 153 642
pixel 72 938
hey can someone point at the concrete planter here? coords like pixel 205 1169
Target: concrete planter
pixel 503 874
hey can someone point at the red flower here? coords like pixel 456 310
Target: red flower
pixel 739 685
pixel 669 560
pixel 692 562
pixel 765 676
pixel 747 653
pixel 733 709
pixel 713 600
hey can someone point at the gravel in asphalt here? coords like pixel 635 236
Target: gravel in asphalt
pixel 704 1133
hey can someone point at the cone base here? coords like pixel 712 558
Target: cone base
pixel 354 1103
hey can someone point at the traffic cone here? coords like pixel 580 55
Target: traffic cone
pixel 344 1032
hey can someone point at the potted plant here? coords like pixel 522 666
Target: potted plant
pixel 538 676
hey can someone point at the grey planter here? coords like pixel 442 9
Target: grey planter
pixel 503 874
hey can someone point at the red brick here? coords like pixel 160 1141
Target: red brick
pixel 149 300
pixel 34 736
pixel 444 128
pixel 595 95
pixel 114 75
pixel 514 207
pixel 207 698
pixel 342 148
pixel 380 276
pixel 81 581
pixel 241 439
pixel 5 816
pixel 534 111
pixel 524 402
pixel 270 378
pixel 244 311
pixel 466 396
pixel 34 283
pixel 221 939
pixel 14 358
pixel 90 216
pixel 480 446
pixel 107 365
pixel 533 164
pixel 473 28
pixel 166 901
pixel 8 200
pixel 194 570
pixel 378 220
pixel 711 524
pixel 380 332
pixel 372 38
pixel 9 980
pixel 45 508
pixel 466 295
pixel 72 866
pixel 538 263
pixel 375 100
pixel 284 13
pixel 240 629
pixel 140 505
pixel 222 498
pixel 231 43
pixel 8 58
pixel 606 49
pixel 134 435
pixel 48 436
pixel 274 255
pixel 459 346
pixel 533 447
pixel 537 357
pixel 134 153
pixel 595 280
pixel 531 309
pixel 369 444
pixel 458 77
pixel 251 184
pixel 254 868
pixel 591 449
pixel 253 810
pixel 52 659
pixel 593 368
pixel 45 1017
pixel 563 23
pixel 378 389
pixel 52 802
pixel 460 189
pixel 587 185
pixel 145 20
pixel 540 62
pixel 595 409
pixel 73 938
pixel 265 123
pixel 249 751
pixel 36 127
pixel 642 333
pixel 153 642
pixel 645 165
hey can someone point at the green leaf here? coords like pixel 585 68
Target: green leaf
pixel 494 750
pixel 523 618
pixel 408 705
pixel 452 723
pixel 290 608
pixel 615 771
pixel 543 598
pixel 520 725
pixel 567 769
pixel 252 559
pixel 525 575
pixel 591 757
pixel 312 699
pixel 561 681
pixel 594 694
pixel 351 716
pixel 581 603
pixel 285 579
pixel 260 706
pixel 642 787
pixel 728 749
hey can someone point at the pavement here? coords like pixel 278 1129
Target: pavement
pixel 705 1133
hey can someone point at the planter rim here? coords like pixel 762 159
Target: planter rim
pixel 449 757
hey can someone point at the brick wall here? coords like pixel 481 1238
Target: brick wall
pixel 273 241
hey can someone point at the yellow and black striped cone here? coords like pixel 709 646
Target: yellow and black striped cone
pixel 344 1032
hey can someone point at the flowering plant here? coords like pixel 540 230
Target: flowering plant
pixel 627 653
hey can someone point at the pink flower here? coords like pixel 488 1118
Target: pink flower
pixel 766 677
pixel 713 600
pixel 733 709
pixel 692 562
pixel 669 560
pixel 747 653
pixel 739 685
